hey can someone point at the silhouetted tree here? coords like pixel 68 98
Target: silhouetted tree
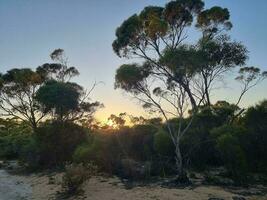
pixel 60 70
pixel 118 121
pixel 18 88
pixel 64 100
pixel 249 77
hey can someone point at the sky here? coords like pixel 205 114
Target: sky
pixel 31 29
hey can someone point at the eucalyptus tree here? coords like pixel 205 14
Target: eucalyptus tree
pixel 66 101
pixel 31 95
pixel 158 33
pixel 118 121
pixel 60 69
pixel 249 77
pixel 18 88
pixel 60 98
pixel 175 75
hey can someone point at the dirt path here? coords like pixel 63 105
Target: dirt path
pixel 13 188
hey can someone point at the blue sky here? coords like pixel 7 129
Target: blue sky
pixel 31 29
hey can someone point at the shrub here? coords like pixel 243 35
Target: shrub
pixel 13 138
pixel 29 154
pixel 141 142
pixel 231 151
pixel 75 176
pixel 82 154
pixel 255 141
pixel 199 149
pixel 57 142
pixel 198 145
pixel 103 150
pixel 163 144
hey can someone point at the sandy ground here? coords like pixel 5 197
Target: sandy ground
pixel 99 188
pixel 40 187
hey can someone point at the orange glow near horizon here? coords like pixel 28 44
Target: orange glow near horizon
pixel 111 124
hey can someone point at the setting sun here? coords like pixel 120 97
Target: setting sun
pixel 111 124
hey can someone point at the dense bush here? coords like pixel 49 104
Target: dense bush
pixel 141 139
pixel 232 153
pixel 198 145
pixel 107 149
pixel 57 141
pixel 14 137
pixel 145 150
pixel 163 144
pixel 30 154
pixel 102 149
pixel 212 141
pixel 255 140
pixel 199 150
pixel 82 154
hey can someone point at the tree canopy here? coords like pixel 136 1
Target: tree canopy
pixel 158 35
pixel 32 95
pixel 18 88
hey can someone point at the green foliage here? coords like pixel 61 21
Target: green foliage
pixel 199 147
pixel 182 11
pixel 209 143
pixel 30 154
pixel 141 139
pixel 127 34
pixel 157 35
pixel 231 150
pixel 152 23
pixel 163 144
pixel 59 71
pixel 82 154
pixel 249 74
pixel 102 149
pixel 59 96
pixel 255 140
pixel 57 142
pixel 21 79
pixel 221 51
pixel 17 90
pixel 211 19
pixel 130 77
pixel 14 137
pixel 183 61
pixel 224 111
pixel 199 144
pixel 107 149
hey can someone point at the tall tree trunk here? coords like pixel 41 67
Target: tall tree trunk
pixel 206 88
pixel 178 159
pixel 207 95
pixel 34 126
pixel 33 121
pixel 190 95
pixel 181 173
